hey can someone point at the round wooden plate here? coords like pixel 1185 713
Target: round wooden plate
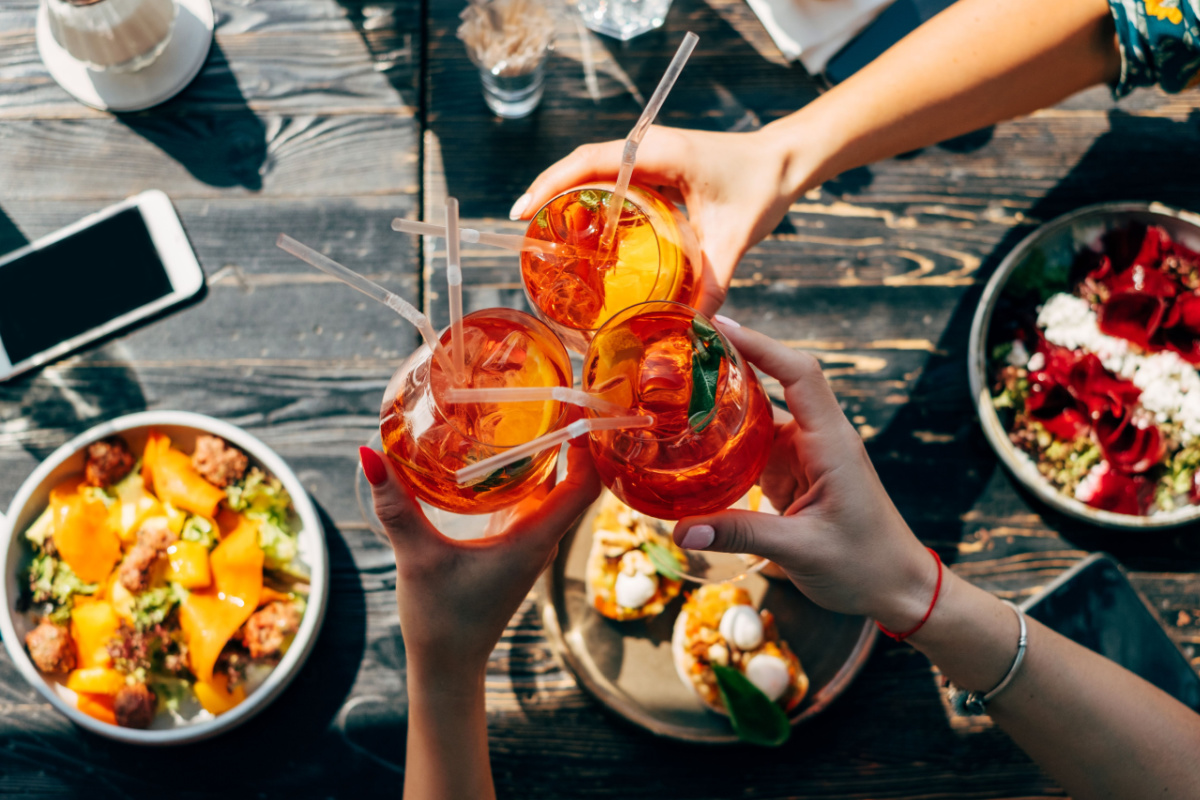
pixel 627 666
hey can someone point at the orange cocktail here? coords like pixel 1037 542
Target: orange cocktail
pixel 428 439
pixel 654 256
pixel 713 422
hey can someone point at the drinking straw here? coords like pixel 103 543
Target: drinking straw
pixel 505 241
pixel 617 200
pixel 370 289
pixel 530 394
pixel 579 427
pixel 454 279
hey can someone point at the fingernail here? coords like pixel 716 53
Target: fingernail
pixel 726 321
pixel 698 537
pixel 519 207
pixel 373 466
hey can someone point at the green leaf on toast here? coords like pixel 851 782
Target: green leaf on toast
pixel 665 562
pixel 756 720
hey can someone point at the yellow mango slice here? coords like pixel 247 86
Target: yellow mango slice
pixel 215 696
pixel 188 565
pixel 176 481
pixel 98 706
pixel 210 616
pixel 92 626
pixel 95 680
pixel 81 531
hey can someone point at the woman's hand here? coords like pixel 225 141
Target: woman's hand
pixel 456 597
pixel 840 539
pixel 735 187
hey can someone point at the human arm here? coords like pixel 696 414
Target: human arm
pixel 455 599
pixel 976 63
pixel 1096 728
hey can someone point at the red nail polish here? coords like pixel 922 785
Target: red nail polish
pixel 373 466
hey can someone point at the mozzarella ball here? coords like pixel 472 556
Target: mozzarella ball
pixel 634 591
pixel 770 674
pixel 742 627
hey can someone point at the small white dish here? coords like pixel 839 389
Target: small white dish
pixel 182 427
pixel 170 73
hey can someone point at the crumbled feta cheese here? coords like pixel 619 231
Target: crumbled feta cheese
pixel 1019 355
pixel 634 591
pixel 1170 386
pixel 1090 484
pixel 1036 362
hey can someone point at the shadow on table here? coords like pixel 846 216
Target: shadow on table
pixel 221 149
pixel 1139 158
pixel 10 235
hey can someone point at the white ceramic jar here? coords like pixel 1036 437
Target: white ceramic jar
pixel 113 35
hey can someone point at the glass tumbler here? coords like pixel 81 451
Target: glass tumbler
pixel 623 19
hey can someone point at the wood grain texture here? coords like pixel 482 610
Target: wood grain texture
pixel 310 119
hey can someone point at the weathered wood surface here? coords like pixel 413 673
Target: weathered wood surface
pixel 325 118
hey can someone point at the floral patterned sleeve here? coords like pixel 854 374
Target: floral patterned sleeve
pixel 1160 43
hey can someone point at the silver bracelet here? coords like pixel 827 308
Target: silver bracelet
pixel 973 704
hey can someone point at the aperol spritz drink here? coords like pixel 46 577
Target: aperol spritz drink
pixel 429 439
pixel 654 256
pixel 713 422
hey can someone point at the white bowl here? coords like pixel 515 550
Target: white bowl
pixel 1063 238
pixel 182 427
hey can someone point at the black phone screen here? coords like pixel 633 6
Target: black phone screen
pixel 79 283
pixel 1099 609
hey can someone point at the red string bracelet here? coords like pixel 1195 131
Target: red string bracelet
pixel 937 590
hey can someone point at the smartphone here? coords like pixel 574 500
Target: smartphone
pixel 1095 605
pixel 896 21
pixel 93 278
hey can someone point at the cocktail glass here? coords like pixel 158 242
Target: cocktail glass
pixel 427 439
pixel 655 256
pixel 713 422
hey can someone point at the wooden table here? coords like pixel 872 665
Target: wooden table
pixel 325 118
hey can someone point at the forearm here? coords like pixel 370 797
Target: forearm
pixel 447 754
pixel 1099 730
pixel 975 64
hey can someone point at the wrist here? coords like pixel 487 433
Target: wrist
pixel 444 682
pixel 915 587
pixel 806 147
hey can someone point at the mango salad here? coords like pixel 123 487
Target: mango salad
pixel 163 587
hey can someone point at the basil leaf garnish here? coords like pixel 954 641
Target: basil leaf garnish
pixel 707 352
pixel 591 199
pixel 755 718
pixel 502 475
pixel 665 562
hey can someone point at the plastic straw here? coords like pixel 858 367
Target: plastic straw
pixel 617 200
pixel 531 394
pixel 370 289
pixel 579 427
pixel 505 241
pixel 454 279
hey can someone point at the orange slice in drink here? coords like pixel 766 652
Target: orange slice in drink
pixel 633 278
pixel 523 422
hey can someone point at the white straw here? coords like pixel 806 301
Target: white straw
pixel 455 280
pixel 532 394
pixel 371 289
pixel 505 241
pixel 579 427
pixel 617 200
